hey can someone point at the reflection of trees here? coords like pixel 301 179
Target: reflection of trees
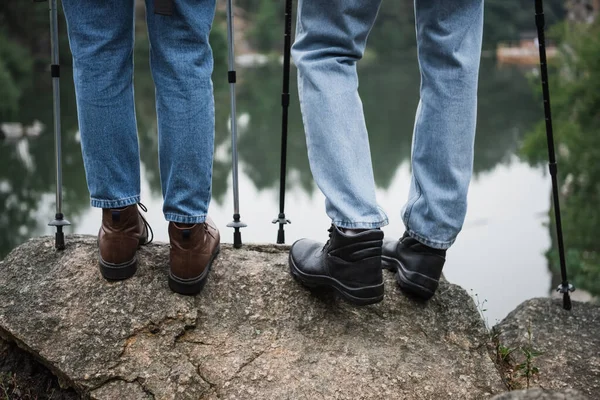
pixel 390 93
pixel 19 205
pixel 18 220
pixel 388 86
pixel 507 110
pixel 389 89
pixel 575 110
pixel 260 146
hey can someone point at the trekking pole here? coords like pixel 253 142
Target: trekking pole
pixel 285 103
pixel 59 220
pixel 565 287
pixel 236 224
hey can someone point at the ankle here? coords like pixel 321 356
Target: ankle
pixel 352 232
pixel 184 226
pixel 439 252
pixel 410 241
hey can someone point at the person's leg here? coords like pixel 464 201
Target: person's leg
pixel 101 39
pixel 182 64
pixel 330 39
pixel 449 36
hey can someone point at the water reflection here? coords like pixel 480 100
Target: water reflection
pixel 389 88
pixel 27 167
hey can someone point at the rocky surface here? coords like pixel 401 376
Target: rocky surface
pixel 541 394
pixel 252 333
pixel 568 340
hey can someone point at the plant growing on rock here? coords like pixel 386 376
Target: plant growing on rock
pixel 505 360
pixel 527 368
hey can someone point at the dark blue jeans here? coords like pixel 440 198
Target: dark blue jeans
pixel 101 34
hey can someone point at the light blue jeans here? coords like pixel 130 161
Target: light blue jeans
pixel 330 39
pixel 101 35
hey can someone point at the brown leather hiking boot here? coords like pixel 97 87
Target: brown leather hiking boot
pixel 123 230
pixel 193 249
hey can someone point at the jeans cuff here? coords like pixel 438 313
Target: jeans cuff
pixel 127 201
pixel 185 219
pixel 431 243
pixel 360 225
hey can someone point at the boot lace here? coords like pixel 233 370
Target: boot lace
pixel 330 230
pixel 147 227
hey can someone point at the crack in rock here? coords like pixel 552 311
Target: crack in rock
pixel 253 358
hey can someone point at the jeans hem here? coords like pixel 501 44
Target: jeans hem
pixel 431 243
pixel 185 219
pixel 360 225
pixel 127 201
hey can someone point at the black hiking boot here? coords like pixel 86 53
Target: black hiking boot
pixel 418 267
pixel 351 264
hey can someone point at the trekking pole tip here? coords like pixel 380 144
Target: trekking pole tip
pixel 281 220
pixel 236 224
pixel 59 222
pixel 566 288
pixel 237 239
pixel 567 302
pixel 59 239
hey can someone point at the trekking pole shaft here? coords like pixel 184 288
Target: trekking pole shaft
pixel 565 288
pixel 283 163
pixel 55 71
pixel 232 80
pixel 236 224
pixel 234 156
pixel 285 102
pixel 540 22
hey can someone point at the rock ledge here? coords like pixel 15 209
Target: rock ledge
pixel 252 333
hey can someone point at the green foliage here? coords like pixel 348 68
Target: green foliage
pixel 15 72
pixel 527 368
pixel 513 375
pixel 504 353
pixel 506 20
pixel 267 32
pixel 394 30
pixel 25 23
pixel 218 42
pixel 9 92
pixel 24 43
pixel 575 95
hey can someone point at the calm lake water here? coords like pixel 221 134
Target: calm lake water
pixel 499 256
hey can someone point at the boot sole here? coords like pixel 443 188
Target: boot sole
pixel 351 295
pixel 117 272
pixel 192 286
pixel 407 280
